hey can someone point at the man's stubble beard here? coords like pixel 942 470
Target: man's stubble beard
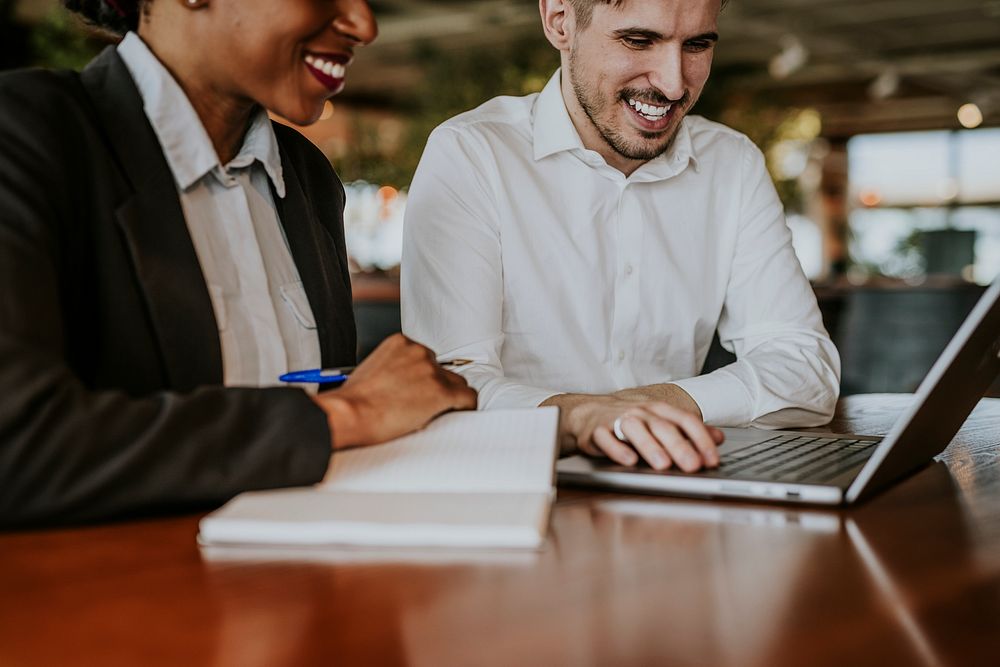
pixel 594 106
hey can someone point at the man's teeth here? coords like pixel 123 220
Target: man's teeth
pixel 331 69
pixel 648 110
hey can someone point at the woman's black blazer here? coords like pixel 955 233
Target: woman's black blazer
pixel 111 396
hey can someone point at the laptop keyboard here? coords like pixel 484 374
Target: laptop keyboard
pixel 794 458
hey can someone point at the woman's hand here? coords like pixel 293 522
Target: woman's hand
pixel 397 389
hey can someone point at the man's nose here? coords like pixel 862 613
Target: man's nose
pixel 667 73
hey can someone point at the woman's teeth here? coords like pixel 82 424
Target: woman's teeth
pixel 331 69
pixel 648 111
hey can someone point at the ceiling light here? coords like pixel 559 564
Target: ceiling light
pixel 870 197
pixel 970 116
pixel 791 58
pixel 885 84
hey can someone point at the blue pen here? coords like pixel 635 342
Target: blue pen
pixel 318 375
pixel 331 375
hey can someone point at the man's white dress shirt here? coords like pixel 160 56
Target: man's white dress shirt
pixel 555 273
pixel 266 324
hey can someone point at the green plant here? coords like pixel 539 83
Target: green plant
pixel 61 41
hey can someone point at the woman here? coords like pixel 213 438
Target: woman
pixel 166 252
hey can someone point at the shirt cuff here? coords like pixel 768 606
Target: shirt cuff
pixel 722 397
pixel 511 396
pixel 499 393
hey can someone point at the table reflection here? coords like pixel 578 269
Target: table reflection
pixel 638 580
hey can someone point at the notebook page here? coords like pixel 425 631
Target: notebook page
pixel 493 451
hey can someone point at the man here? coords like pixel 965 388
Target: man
pixel 582 245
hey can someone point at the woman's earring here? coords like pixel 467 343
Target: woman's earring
pixel 195 4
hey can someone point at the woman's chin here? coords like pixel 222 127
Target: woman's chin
pixel 300 117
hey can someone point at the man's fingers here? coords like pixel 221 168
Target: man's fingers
pixel 672 439
pixel 697 433
pixel 613 448
pixel 637 432
pixel 694 430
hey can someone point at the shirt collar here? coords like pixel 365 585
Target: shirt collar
pixel 261 145
pixel 553 132
pixel 186 145
pixel 552 128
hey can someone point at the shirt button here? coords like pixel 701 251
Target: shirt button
pixel 621 355
pixel 628 269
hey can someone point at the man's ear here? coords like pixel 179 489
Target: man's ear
pixel 558 22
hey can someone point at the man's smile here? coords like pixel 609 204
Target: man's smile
pixel 649 117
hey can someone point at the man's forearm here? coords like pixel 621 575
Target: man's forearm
pixel 668 393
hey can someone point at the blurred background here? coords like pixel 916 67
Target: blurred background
pixel 880 120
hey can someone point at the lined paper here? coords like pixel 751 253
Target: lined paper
pixel 505 451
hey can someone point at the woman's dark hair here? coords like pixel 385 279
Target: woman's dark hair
pixel 117 16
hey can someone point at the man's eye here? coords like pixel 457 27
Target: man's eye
pixel 698 45
pixel 636 42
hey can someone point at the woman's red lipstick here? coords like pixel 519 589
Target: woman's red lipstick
pixel 329 70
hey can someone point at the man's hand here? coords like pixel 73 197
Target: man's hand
pixel 397 389
pixel 662 433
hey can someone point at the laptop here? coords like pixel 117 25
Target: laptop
pixel 832 468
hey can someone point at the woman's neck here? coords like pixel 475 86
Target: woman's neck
pixel 225 116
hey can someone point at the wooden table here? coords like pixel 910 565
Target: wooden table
pixel 910 578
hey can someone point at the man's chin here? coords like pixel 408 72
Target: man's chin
pixel 651 145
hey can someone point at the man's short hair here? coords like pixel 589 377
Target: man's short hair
pixel 585 9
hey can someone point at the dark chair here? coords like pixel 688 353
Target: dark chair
pixel 717 357
pixel 890 337
pixel 376 321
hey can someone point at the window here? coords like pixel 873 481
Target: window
pixel 926 202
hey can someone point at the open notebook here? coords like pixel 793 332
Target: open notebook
pixel 470 479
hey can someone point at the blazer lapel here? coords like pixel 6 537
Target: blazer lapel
pixel 320 270
pixel 152 222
